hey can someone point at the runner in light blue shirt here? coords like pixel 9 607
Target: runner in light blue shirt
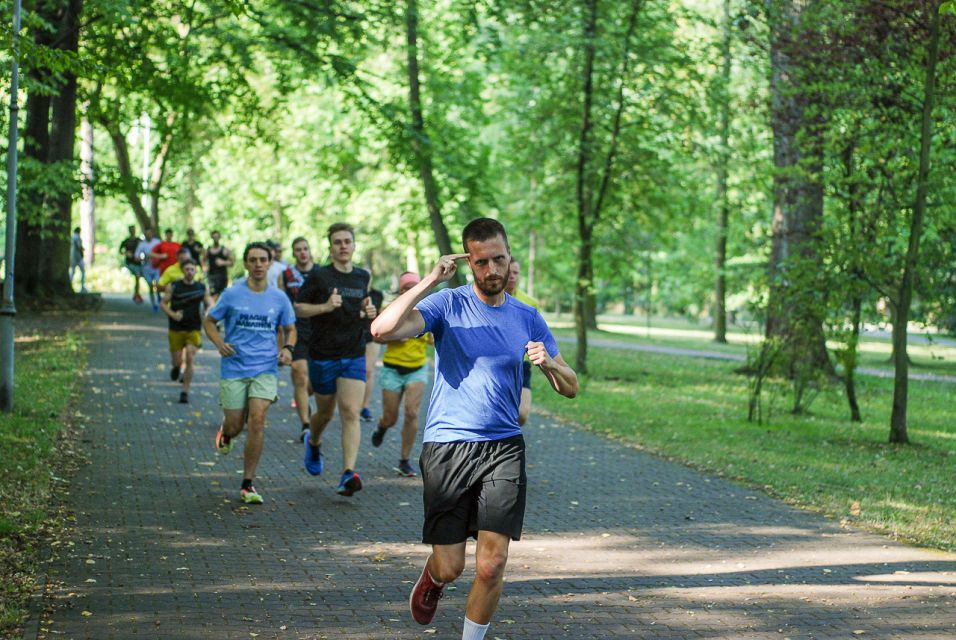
pixel 260 335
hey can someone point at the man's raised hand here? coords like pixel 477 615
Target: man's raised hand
pixel 447 266
pixel 335 300
pixel 369 309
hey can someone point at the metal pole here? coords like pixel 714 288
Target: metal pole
pixel 7 310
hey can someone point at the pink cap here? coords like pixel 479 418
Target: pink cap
pixel 408 279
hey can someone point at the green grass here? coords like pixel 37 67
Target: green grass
pixel 45 373
pixel 694 411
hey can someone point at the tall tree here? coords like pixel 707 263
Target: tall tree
pixel 43 236
pixel 420 143
pixel 794 312
pixel 901 317
pixel 592 182
pixel 722 199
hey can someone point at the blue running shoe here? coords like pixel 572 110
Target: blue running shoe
pixel 366 415
pixel 314 462
pixel 349 484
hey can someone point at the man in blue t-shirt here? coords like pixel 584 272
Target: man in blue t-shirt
pixel 253 313
pixel 473 462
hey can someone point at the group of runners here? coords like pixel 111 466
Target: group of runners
pixel 320 320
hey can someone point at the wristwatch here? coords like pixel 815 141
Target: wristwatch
pixel 290 347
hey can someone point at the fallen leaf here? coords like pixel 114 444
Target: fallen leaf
pixel 86 614
pixel 855 508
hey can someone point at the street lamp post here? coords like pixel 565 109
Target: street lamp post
pixel 7 309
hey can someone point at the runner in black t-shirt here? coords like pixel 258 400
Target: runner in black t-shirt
pixel 181 302
pixel 132 261
pixel 336 300
pixel 291 281
pixel 193 245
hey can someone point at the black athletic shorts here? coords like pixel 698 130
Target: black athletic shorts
pixel 526 374
pixel 472 487
pixel 217 282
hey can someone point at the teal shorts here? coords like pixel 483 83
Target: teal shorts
pixel 391 380
pixel 234 393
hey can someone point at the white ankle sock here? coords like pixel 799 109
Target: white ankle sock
pixel 473 630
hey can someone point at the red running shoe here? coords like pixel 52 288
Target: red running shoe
pixel 424 598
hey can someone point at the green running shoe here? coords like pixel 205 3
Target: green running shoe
pixel 250 496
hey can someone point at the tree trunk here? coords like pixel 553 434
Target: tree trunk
pixel 794 316
pixel 582 286
pixel 88 203
pixel 131 186
pixel 723 205
pixel 421 145
pixel 904 299
pixel 43 238
pixel 849 364
pixel 591 201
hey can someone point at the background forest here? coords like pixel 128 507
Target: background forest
pixel 782 165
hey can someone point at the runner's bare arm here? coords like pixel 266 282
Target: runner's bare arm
pixel 289 336
pixel 401 319
pixel 164 305
pixel 212 331
pixel 556 370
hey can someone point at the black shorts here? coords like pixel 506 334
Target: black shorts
pixel 471 487
pixel 526 374
pixel 217 283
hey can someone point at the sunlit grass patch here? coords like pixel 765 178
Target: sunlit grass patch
pixel 695 410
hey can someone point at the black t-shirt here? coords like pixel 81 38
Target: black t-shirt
pixel 341 333
pixel 186 298
pixel 217 252
pixel 128 248
pixel 293 279
pixel 195 249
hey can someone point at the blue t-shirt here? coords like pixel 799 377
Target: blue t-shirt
pixel 251 321
pixel 478 354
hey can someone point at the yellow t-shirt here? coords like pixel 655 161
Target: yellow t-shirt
pixel 521 296
pixel 410 353
pixel 173 273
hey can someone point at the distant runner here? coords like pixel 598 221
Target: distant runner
pixel 150 265
pixel 132 261
pixel 403 374
pixel 292 280
pixel 252 313
pixel 182 300
pixel 514 274
pixel 218 261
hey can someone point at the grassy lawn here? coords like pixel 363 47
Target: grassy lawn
pixel 938 357
pixel 46 367
pixel 694 411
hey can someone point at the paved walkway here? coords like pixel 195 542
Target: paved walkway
pixel 618 544
pixel 735 357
